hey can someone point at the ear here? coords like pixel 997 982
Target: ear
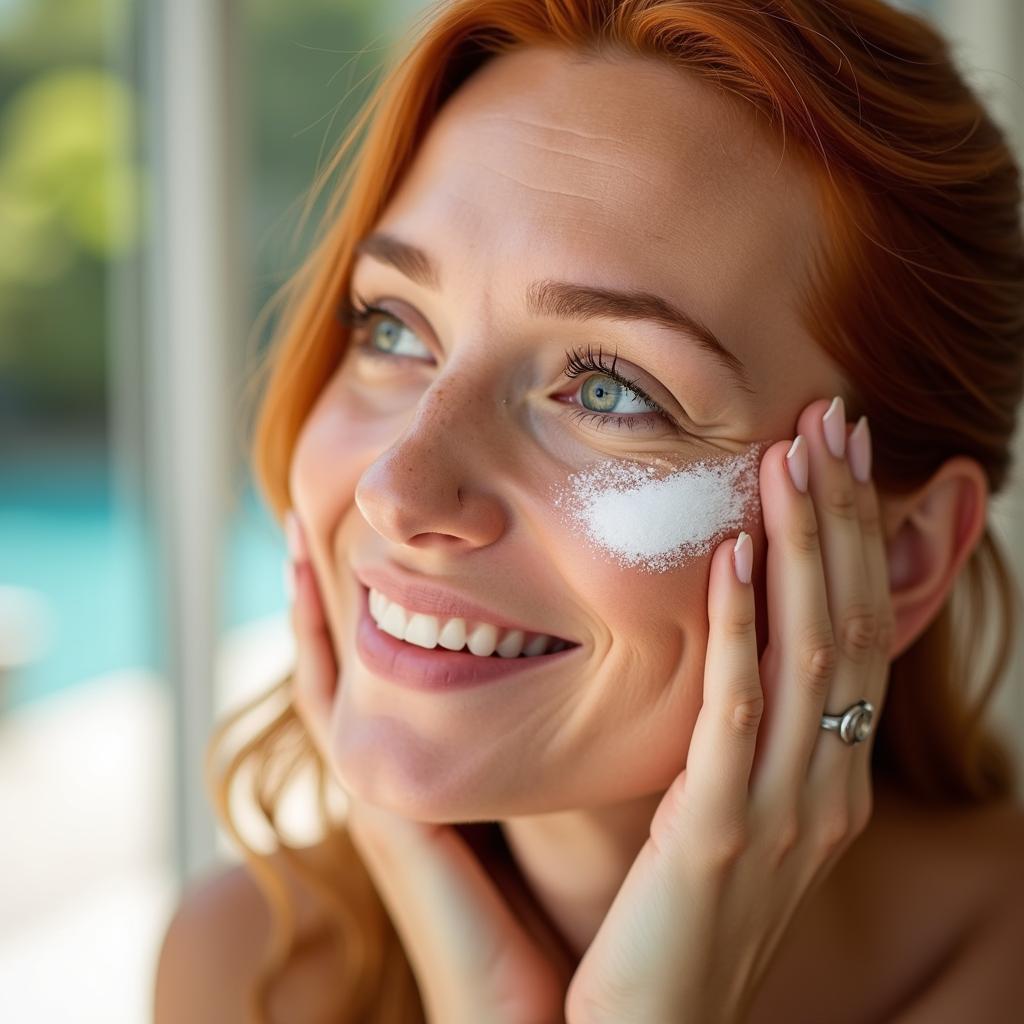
pixel 930 533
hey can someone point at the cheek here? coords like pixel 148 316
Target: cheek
pixel 634 542
pixel 652 519
pixel 634 539
pixel 336 443
pixel 656 640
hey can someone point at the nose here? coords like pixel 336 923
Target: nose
pixel 434 485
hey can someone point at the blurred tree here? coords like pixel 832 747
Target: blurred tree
pixel 61 168
pixel 60 141
pixel 66 156
pixel 67 204
pixel 311 63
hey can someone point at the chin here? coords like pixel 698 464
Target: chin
pixel 384 763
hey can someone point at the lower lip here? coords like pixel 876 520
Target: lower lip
pixel 418 668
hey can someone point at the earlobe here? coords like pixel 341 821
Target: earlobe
pixel 931 534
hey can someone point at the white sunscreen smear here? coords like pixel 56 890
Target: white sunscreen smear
pixel 651 521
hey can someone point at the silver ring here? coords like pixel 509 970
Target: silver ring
pixel 853 725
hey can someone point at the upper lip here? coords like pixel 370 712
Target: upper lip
pixel 434 598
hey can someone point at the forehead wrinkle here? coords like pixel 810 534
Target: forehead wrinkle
pixel 503 118
pixel 603 166
pixel 524 136
pixel 534 188
pixel 718 204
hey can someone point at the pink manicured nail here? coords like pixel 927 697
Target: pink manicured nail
pixel 860 451
pixel 796 460
pixel 295 537
pixel 834 422
pixel 743 557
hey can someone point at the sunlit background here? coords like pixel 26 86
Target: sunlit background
pixel 154 159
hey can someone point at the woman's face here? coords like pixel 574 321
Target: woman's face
pixel 454 456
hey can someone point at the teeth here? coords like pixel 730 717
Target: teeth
pixel 453 636
pixel 393 621
pixel 422 630
pixel 483 639
pixel 536 645
pixel 511 643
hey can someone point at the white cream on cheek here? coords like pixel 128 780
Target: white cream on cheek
pixel 651 521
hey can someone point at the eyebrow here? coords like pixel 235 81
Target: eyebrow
pixel 568 301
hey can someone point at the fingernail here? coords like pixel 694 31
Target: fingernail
pixel 743 557
pixel 295 537
pixel 288 575
pixel 834 422
pixel 796 460
pixel 860 451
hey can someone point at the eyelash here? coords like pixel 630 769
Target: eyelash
pixel 356 314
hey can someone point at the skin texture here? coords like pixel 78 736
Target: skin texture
pixel 624 174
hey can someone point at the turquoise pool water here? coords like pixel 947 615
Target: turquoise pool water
pixel 64 535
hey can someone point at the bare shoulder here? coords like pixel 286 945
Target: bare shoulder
pixel 976 854
pixel 215 943
pixel 920 886
pixel 210 950
pixel 983 842
pixel 989 842
pixel 941 869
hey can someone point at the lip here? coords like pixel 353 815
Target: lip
pixel 439 669
pixel 435 598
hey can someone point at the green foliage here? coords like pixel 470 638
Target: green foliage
pixel 67 201
pixel 309 66
pixel 62 170
pixel 72 192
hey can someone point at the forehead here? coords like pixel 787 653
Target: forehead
pixel 619 172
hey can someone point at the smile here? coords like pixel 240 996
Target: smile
pixel 418 667
pixel 482 639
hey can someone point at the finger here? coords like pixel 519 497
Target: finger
pixel 725 735
pixel 316 668
pixel 869 509
pixel 877 562
pixel 852 603
pixel 799 660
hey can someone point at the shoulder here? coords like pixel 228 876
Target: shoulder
pixel 927 903
pixel 977 975
pixel 985 840
pixel 210 950
pixel 942 875
pixel 216 941
pixel 971 852
pixel 991 842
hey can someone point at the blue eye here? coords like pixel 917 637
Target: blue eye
pixel 357 314
pixel 578 362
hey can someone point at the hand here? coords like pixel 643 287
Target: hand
pixel 473 958
pixel 738 841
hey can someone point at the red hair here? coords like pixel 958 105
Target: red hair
pixel 919 297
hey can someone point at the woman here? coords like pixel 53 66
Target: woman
pixel 708 407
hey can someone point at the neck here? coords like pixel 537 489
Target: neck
pixel 574 862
